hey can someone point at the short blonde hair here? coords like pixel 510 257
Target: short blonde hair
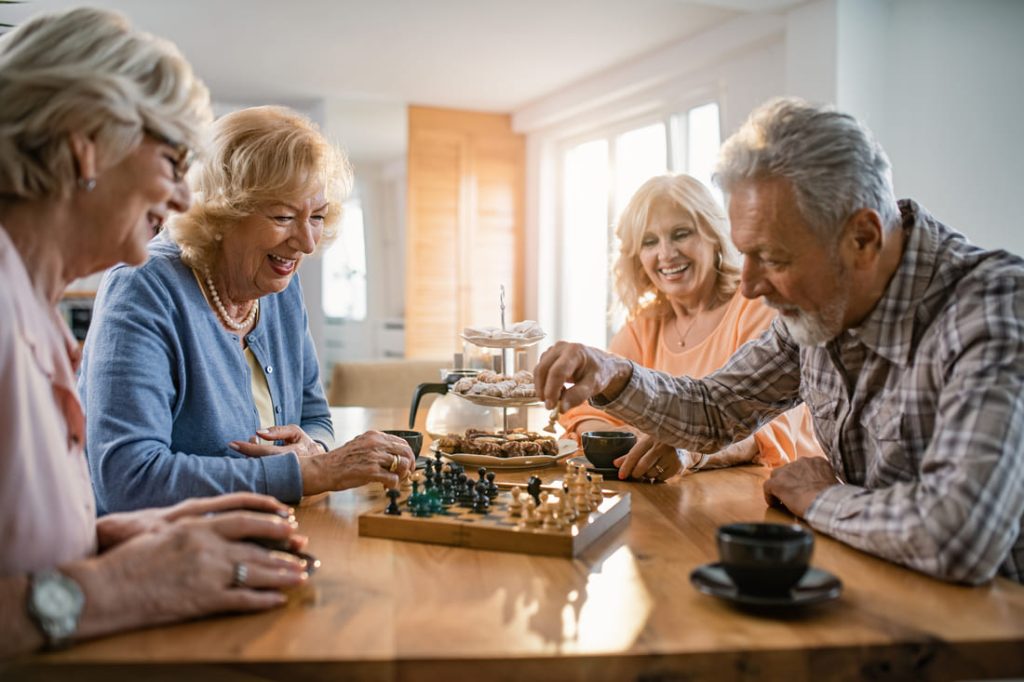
pixel 636 293
pixel 259 155
pixel 87 71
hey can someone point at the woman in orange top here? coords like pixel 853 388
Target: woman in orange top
pixel 677 275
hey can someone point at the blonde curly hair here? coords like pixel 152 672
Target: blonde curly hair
pixel 258 155
pixel 636 293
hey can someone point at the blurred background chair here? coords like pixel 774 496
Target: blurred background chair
pixel 388 383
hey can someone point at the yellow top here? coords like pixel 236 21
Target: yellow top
pixel 260 391
pixel 642 340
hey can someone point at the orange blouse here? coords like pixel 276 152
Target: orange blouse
pixel 642 340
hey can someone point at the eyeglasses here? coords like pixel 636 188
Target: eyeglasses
pixel 183 156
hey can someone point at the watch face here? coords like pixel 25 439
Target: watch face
pixel 54 599
pixel 55 604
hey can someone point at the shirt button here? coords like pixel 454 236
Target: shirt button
pixel 277 408
pixel 270 370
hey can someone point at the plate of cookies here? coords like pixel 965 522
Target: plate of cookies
pixel 516 449
pixel 498 390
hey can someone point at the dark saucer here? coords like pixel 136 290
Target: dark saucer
pixel 607 472
pixel 422 462
pixel 815 587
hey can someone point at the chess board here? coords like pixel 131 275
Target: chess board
pixel 497 529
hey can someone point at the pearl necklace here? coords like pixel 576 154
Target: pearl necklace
pixel 228 320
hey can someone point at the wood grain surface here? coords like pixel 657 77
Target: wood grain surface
pixel 624 609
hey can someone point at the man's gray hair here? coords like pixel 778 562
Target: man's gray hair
pixel 833 163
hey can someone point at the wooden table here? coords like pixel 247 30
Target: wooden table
pixel 386 610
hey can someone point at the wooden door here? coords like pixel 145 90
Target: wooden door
pixel 465 226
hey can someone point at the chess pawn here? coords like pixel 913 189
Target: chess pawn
pixel 529 512
pixel 406 483
pixel 515 507
pixel 547 514
pixel 596 494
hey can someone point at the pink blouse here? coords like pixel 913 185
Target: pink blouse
pixel 47 510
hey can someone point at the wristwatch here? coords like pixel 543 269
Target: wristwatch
pixel 55 603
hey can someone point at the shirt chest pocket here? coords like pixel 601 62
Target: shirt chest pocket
pixel 824 409
pixel 883 421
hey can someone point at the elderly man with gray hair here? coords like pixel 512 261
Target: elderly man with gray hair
pixel 905 341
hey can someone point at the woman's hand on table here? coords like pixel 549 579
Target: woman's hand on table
pixel 292 436
pixel 113 529
pixel 193 566
pixel 649 460
pixel 372 457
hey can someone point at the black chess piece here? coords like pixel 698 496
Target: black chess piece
pixel 492 489
pixel 465 491
pixel 482 471
pixel 481 503
pixel 393 508
pixel 533 487
pixel 428 483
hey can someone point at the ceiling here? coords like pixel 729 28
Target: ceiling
pixel 372 57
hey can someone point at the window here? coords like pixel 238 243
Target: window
pixel 599 176
pixel 344 267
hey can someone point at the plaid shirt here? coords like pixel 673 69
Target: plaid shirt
pixel 920 409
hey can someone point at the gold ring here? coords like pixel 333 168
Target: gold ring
pixel 394 465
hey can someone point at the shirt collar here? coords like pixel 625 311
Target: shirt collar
pixel 889 329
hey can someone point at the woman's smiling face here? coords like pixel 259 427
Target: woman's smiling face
pixel 673 255
pixel 261 253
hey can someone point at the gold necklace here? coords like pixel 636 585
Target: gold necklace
pixel 682 336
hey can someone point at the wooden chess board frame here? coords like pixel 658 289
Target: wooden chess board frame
pixel 497 530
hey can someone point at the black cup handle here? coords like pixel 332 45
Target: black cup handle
pixel 420 391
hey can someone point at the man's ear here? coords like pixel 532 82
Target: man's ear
pixel 83 150
pixel 863 237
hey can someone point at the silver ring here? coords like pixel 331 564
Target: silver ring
pixel 660 469
pixel 394 464
pixel 241 574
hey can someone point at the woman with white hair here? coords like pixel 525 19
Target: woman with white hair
pixel 199 373
pixel 677 276
pixel 96 125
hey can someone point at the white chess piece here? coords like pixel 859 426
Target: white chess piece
pixel 530 512
pixel 515 507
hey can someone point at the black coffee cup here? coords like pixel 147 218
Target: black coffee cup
pixel 764 558
pixel 413 438
pixel 602 448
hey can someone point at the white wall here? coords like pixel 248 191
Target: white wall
pixel 939 83
pixel 955 94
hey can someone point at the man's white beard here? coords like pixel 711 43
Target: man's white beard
pixel 816 329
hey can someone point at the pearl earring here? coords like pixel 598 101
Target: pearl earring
pixel 87 184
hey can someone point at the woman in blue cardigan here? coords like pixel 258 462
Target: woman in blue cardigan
pixel 199 371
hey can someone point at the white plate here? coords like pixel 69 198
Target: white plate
pixel 507 342
pixel 565 448
pixel 492 401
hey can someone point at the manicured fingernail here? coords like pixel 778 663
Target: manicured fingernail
pixel 233 445
pixel 284 513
